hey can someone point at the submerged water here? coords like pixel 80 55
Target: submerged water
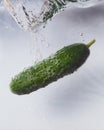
pixel 75 102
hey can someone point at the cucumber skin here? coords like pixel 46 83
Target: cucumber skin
pixel 64 62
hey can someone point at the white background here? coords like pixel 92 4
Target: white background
pixel 75 102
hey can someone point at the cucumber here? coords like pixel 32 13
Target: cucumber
pixel 63 62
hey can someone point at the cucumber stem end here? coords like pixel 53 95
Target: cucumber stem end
pixel 90 43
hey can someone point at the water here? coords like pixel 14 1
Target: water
pixel 30 15
pixel 75 102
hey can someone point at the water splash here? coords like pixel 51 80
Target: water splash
pixel 32 15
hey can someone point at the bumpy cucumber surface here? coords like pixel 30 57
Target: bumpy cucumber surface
pixel 64 62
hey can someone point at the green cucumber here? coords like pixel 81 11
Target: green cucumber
pixel 63 62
